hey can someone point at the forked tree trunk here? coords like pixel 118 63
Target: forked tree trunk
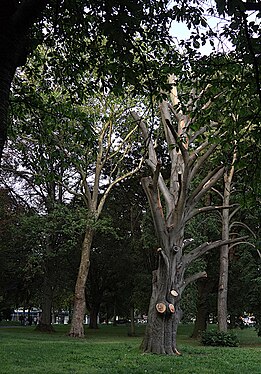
pixel 79 309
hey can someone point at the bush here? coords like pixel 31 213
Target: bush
pixel 216 338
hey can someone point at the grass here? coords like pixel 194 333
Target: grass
pixel 110 350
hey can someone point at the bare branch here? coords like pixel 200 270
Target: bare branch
pixel 234 212
pixel 200 161
pixel 242 225
pixel 205 185
pixel 153 161
pixel 193 278
pixel 210 208
pixel 155 206
pixel 218 192
pixel 112 184
pixel 243 242
pixel 205 247
pixel 196 134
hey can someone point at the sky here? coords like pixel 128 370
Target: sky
pixel 180 31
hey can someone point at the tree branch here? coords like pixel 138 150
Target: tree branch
pixel 153 161
pixel 204 186
pixel 242 225
pixel 194 212
pixel 200 161
pixel 205 247
pixel 193 278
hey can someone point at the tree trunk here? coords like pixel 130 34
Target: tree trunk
pixel 16 20
pixel 94 311
pixel 205 286
pixel 77 329
pixel 45 319
pixel 224 254
pixel 222 289
pixel 6 77
pixel 161 332
pixel 132 326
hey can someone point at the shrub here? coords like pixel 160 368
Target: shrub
pixel 216 338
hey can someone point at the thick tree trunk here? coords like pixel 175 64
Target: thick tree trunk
pixel 45 319
pixel 77 329
pixel 161 332
pixel 7 70
pixel 94 311
pixel 16 20
pixel 205 286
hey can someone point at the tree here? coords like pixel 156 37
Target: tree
pixel 104 168
pixel 66 155
pixel 188 153
pixel 115 38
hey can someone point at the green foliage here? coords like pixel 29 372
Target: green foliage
pixel 219 339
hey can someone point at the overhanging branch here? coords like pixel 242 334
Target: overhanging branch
pixel 206 209
pixel 205 247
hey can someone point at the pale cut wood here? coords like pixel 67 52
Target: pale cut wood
pixel 161 308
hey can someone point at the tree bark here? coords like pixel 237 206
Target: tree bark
pixel 94 311
pixel 77 328
pixel 47 298
pixel 205 286
pixel 160 336
pixel 132 319
pixel 224 253
pixel 15 22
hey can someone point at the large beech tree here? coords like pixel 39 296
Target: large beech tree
pixel 173 202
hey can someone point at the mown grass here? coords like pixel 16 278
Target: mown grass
pixel 110 350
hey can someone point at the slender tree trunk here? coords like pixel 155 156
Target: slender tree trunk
pixel 224 254
pixel 77 329
pixel 223 289
pixel 132 327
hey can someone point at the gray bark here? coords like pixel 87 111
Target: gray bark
pixel 79 309
pixel 224 255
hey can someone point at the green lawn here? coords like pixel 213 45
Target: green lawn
pixel 110 350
